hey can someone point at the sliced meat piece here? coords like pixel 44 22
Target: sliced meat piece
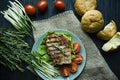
pixel 58 47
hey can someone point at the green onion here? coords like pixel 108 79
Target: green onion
pixel 17 16
pixel 42 66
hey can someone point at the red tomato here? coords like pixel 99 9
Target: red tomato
pixel 59 5
pixel 65 70
pixel 73 67
pixel 30 9
pixel 78 59
pixel 76 47
pixel 42 5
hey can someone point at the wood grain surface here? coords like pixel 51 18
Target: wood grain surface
pixel 110 11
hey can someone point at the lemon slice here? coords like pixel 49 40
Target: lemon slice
pixel 108 32
pixel 112 44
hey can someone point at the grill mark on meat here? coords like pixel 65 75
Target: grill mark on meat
pixel 52 40
pixel 51 44
pixel 53 51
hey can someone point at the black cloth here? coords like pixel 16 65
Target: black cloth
pixel 110 10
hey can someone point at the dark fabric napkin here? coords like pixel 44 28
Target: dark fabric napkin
pixel 96 68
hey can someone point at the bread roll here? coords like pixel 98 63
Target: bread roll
pixel 92 21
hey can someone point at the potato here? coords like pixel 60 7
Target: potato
pixel 112 44
pixel 108 32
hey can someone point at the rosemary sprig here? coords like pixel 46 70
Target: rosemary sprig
pixel 58 48
pixel 12 49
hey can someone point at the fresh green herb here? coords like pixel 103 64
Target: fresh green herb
pixel 58 48
pixel 73 56
pixel 42 66
pixel 17 16
pixel 72 47
pixel 47 58
pixel 43 52
pixel 12 49
pixel 49 33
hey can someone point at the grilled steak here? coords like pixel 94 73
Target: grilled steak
pixel 58 47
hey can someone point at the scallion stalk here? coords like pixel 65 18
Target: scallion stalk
pixel 17 16
pixel 43 67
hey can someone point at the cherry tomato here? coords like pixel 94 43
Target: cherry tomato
pixel 59 5
pixel 76 47
pixel 42 5
pixel 65 70
pixel 73 67
pixel 78 59
pixel 30 9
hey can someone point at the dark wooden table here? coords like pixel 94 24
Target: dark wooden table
pixel 110 10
